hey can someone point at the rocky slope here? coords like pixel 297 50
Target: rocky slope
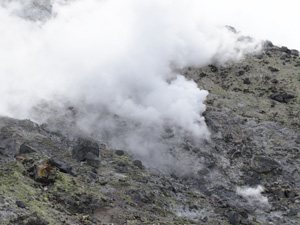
pixel 51 177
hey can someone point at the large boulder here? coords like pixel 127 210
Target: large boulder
pixel 83 148
pixel 44 173
pixel 262 164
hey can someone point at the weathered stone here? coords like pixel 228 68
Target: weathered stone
pixel 272 69
pixel 44 173
pixel 293 212
pixel 268 44
pixel 263 164
pixel 247 81
pixel 240 73
pixel 120 152
pixel 93 175
pixel 202 75
pixel 26 149
pixel 260 56
pixel 233 218
pixel 281 97
pixel 213 68
pixel 61 165
pixel 21 204
pixel 298 139
pixel 92 160
pixel 294 52
pixel 83 148
pixel 36 221
pixel 138 163
pixel 285 49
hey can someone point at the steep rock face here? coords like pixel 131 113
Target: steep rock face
pixel 253 116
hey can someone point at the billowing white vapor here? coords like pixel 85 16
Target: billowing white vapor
pixel 109 65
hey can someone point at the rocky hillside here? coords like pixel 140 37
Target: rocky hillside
pixel 250 172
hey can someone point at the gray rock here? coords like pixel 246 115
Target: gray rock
pixel 292 212
pixel 298 139
pixel 213 68
pixel 294 52
pixel 138 164
pixel 263 164
pixel 285 49
pixel 281 97
pixel 21 204
pixel 272 69
pixel 61 165
pixel 120 152
pixel 35 221
pixel 267 44
pixel 247 81
pixel 233 218
pixel 260 56
pixel 240 73
pixel 92 160
pixel 83 148
pixel 26 149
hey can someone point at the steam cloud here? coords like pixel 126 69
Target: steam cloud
pixel 253 195
pixel 108 66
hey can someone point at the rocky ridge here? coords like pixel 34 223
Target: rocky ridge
pixel 49 177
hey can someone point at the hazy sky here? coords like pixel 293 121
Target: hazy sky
pixel 276 20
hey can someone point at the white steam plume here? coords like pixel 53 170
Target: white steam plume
pixel 253 195
pixel 112 61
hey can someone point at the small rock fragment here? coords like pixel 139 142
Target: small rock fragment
pixel 240 73
pixel 138 164
pixel 213 68
pixel 21 204
pixel 281 97
pixel 247 81
pixel 120 152
pixel 272 69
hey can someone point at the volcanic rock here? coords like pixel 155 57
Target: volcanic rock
pixel 83 148
pixel 25 148
pixel 263 164
pixel 61 165
pixel 92 160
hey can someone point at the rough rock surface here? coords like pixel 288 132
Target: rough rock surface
pixel 255 140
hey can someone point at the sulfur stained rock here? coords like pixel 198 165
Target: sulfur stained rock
pixel 44 173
